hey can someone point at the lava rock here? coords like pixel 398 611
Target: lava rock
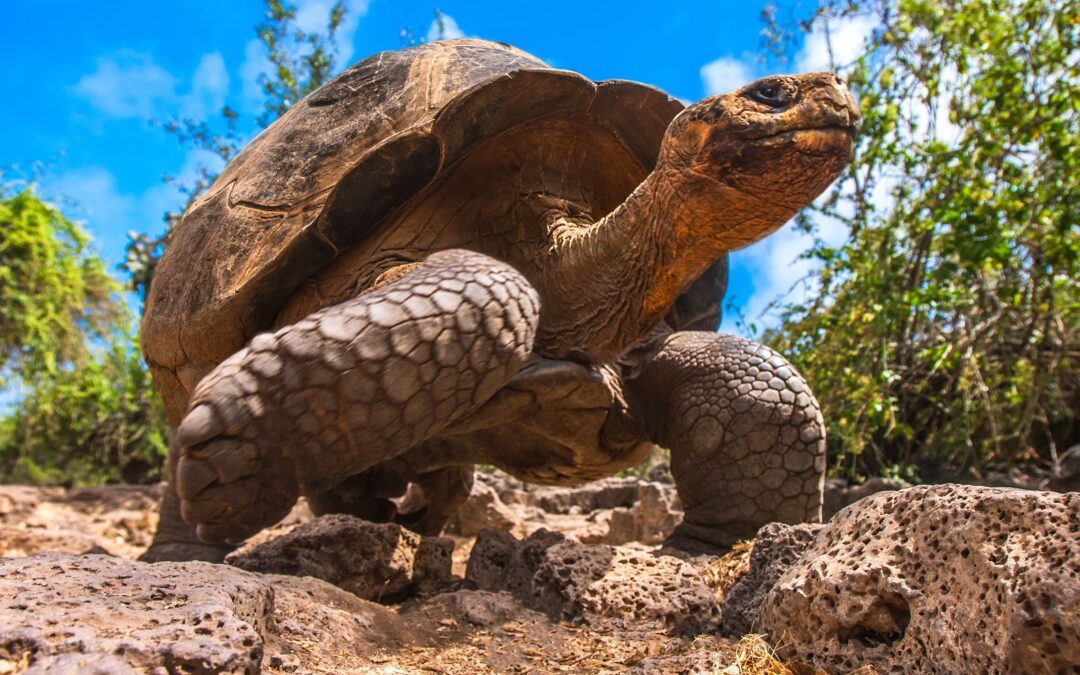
pixel 776 548
pixel 941 579
pixel 484 509
pixel 99 614
pixel 607 493
pixel 570 580
pixel 654 515
pixel 374 561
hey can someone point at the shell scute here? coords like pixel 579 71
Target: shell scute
pixel 333 168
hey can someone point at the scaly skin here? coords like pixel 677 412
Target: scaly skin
pixel 350 386
pixel 176 540
pixel 746 436
pixel 403 368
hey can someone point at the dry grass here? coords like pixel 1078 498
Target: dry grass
pixel 722 573
pixel 754 656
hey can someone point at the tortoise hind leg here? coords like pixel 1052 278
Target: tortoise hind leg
pixel 746 436
pixel 367 495
pixel 433 497
pixel 348 387
pixel 428 498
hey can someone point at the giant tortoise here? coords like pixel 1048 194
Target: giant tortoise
pixel 454 255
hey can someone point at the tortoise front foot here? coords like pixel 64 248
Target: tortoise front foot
pixel 350 386
pixel 746 437
pixel 175 540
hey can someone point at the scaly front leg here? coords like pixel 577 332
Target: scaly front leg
pixel 350 386
pixel 746 436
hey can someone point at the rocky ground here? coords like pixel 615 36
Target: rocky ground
pixel 930 579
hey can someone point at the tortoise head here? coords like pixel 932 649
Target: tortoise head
pixel 763 152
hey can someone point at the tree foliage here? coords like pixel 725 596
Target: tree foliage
pixel 89 413
pixel 97 422
pixel 302 61
pixel 54 290
pixel 947 327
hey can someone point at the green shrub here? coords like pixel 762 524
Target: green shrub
pixel 87 412
pixel 54 290
pixel 98 422
pixel 947 328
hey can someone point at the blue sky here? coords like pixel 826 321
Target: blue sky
pixel 83 81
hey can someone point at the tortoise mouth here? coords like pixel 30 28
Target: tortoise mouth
pixel 824 129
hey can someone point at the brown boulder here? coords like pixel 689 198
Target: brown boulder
pixel 941 579
pixel 484 509
pixel 655 513
pixel 776 548
pixel 570 580
pixel 374 561
pixel 87 614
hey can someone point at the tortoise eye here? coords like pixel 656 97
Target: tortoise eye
pixel 770 93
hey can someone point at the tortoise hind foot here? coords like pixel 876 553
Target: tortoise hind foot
pixel 348 387
pixel 693 540
pixel 433 497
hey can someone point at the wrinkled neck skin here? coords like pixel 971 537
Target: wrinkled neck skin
pixel 615 279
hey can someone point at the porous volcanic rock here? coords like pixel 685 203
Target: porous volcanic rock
pixel 611 511
pixel 655 513
pixel 776 548
pixel 374 561
pixel 571 580
pixel 942 579
pixel 484 509
pixel 99 614
pixel 607 493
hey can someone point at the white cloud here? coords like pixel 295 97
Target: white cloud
pixel 444 27
pixel 844 37
pixel 254 65
pixel 91 194
pixel 209 87
pixel 778 272
pixel 127 84
pixel 131 84
pixel 726 74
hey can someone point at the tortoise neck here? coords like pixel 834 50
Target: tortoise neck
pixel 618 277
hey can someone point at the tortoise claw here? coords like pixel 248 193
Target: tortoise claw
pixel 199 425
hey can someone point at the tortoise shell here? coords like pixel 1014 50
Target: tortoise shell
pixel 338 166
